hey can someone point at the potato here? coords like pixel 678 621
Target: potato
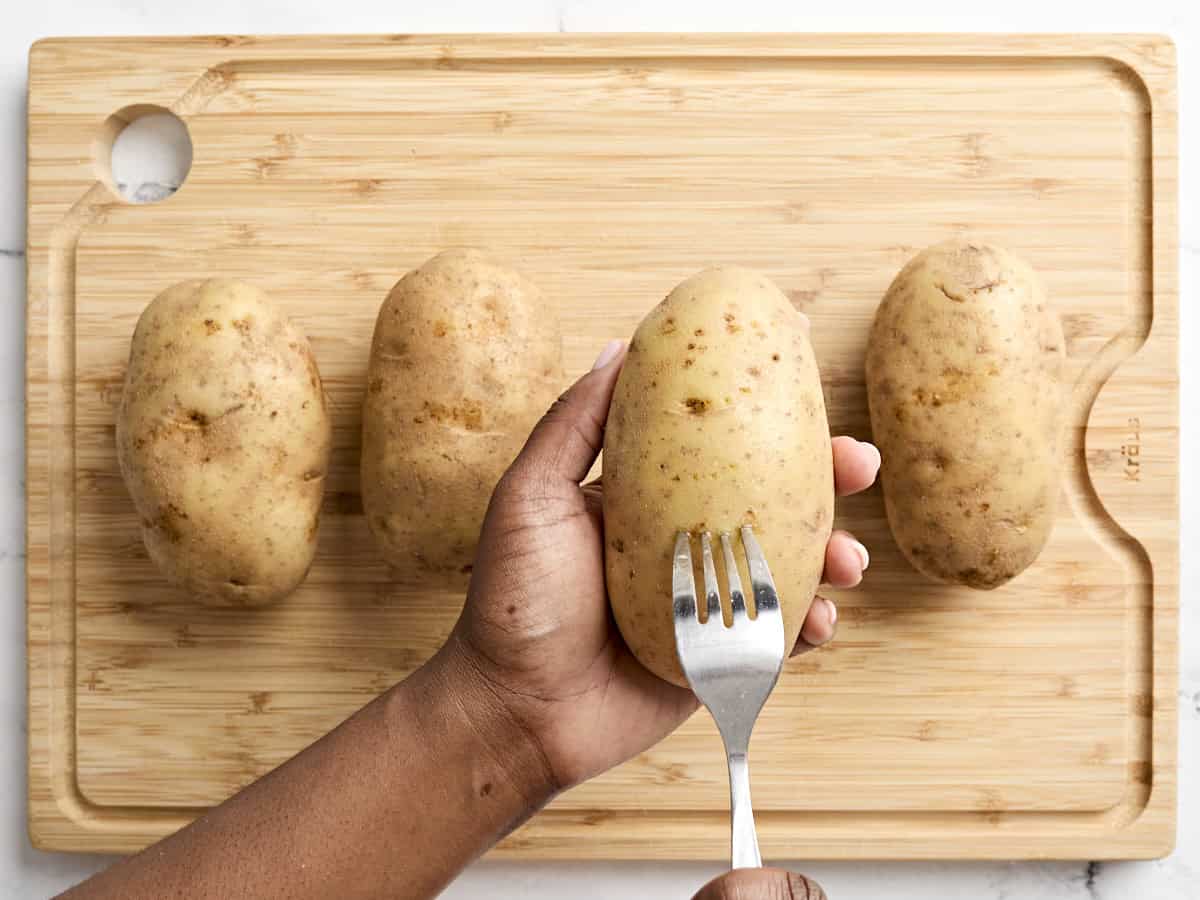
pixel 223 440
pixel 963 372
pixel 465 359
pixel 718 421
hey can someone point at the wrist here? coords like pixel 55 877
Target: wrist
pixel 510 761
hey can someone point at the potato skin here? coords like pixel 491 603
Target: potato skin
pixel 465 359
pixel 717 421
pixel 223 440
pixel 963 370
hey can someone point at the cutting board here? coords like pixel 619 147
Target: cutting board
pixel 1036 720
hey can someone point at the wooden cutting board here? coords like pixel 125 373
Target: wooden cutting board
pixel 1037 720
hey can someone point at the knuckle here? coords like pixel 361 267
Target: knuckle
pixel 761 884
pixel 560 407
pixel 801 887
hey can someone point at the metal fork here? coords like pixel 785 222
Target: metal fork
pixel 732 670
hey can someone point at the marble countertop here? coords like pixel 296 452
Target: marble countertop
pixel 25 872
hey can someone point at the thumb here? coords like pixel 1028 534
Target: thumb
pixel 567 440
pixel 761 884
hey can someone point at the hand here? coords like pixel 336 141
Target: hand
pixel 761 884
pixel 536 638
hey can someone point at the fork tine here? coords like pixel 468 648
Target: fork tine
pixel 736 598
pixel 683 582
pixel 765 596
pixel 712 593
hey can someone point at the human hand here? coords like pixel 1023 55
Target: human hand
pixel 536 638
pixel 761 884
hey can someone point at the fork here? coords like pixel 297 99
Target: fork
pixel 731 669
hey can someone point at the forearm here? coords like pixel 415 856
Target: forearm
pixel 393 803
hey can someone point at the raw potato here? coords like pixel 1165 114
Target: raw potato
pixel 223 440
pixel 718 421
pixel 465 359
pixel 963 372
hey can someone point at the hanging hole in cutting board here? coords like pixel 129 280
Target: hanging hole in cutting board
pixel 144 153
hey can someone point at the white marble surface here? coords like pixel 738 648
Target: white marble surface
pixel 25 872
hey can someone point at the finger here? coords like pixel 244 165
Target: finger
pixel 855 465
pixel 845 560
pixel 819 626
pixel 761 884
pixel 568 439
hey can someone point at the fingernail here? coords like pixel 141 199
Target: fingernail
pixel 875 453
pixel 862 554
pixel 832 609
pixel 607 355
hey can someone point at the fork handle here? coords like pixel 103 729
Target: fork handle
pixel 744 838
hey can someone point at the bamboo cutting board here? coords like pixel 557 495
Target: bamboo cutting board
pixel 1037 720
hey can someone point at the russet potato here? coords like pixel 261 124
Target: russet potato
pixel 718 421
pixel 465 359
pixel 962 370
pixel 223 440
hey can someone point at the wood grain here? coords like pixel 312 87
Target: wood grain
pixel 1037 720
